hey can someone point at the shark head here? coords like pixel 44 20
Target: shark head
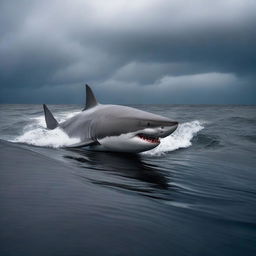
pixel 126 129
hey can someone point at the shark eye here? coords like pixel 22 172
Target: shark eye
pixel 148 124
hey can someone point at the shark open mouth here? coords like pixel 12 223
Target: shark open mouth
pixel 148 138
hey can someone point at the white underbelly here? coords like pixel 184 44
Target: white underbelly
pixel 123 143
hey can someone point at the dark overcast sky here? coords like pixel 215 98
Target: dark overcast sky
pixel 143 51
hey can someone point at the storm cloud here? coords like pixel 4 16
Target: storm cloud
pixel 144 51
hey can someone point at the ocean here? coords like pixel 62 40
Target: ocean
pixel 195 194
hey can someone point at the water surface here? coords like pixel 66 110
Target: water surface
pixel 195 194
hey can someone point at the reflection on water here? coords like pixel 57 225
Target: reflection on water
pixel 125 171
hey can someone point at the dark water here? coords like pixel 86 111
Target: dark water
pixel 195 195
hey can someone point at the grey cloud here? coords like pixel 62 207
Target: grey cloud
pixel 156 48
pixel 208 88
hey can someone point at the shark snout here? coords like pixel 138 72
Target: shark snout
pixel 168 128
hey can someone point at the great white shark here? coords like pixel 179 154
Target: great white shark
pixel 113 127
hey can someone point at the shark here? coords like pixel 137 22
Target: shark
pixel 114 128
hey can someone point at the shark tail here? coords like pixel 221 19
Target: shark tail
pixel 51 122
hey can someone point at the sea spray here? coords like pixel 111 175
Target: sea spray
pixel 36 133
pixel 46 138
pixel 181 138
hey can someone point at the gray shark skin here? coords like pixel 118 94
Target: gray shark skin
pixel 113 127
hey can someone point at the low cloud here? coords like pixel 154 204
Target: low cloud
pixel 133 52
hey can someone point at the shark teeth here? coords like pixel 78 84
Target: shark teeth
pixel 148 138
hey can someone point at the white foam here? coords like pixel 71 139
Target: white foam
pixel 181 138
pixel 46 138
pixel 36 133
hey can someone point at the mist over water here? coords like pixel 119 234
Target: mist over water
pixel 193 193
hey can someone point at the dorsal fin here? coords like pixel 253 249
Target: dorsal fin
pixel 51 122
pixel 90 98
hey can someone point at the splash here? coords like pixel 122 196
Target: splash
pixel 181 138
pixel 45 138
pixel 36 134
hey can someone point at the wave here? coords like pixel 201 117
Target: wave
pixel 36 134
pixel 46 138
pixel 207 140
pixel 250 138
pixel 239 119
pixel 181 138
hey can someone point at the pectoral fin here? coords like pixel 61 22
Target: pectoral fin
pixel 84 143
